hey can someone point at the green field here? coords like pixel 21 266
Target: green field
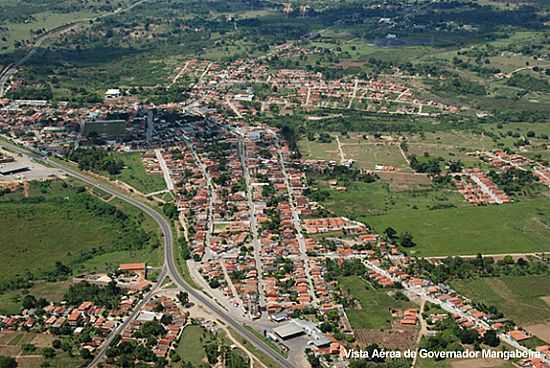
pixel 511 228
pixel 54 225
pixel 519 298
pixel 10 302
pixel 377 198
pixel 190 347
pixel 21 31
pixel 375 304
pixel 135 175
pixel 314 150
pixel 367 156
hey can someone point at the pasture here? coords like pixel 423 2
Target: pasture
pixel 511 228
pixel 520 298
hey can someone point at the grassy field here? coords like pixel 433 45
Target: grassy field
pixel 367 156
pixel 21 32
pixel 314 150
pixel 450 145
pixel 11 345
pixel 40 234
pixel 55 227
pixel 190 347
pixel 135 175
pixel 519 298
pixel 377 198
pixel 375 304
pixel 516 227
pixel 465 363
pixel 10 302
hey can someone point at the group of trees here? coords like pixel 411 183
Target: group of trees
pixel 350 267
pixel 7 362
pixel 452 337
pixel 465 268
pixel 108 296
pixel 513 181
pixel 405 238
pixel 97 160
pixel 432 166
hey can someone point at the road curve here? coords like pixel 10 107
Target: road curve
pixel 170 265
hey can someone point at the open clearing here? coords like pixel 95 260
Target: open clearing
pixel 375 304
pixel 367 156
pixel 519 297
pixel 512 228
pixel 464 363
pixel 190 347
pixel 541 330
pixel 135 175
pixel 54 225
pixel 379 199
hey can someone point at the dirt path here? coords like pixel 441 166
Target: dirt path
pixel 423 331
pixel 340 150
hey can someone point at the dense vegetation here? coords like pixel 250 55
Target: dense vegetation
pixel 96 160
pixel 65 227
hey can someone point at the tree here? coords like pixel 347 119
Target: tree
pixel 490 338
pixel 390 233
pixel 7 362
pixel 468 336
pixel 85 354
pixel 170 210
pixel 183 297
pixel 456 166
pixel 407 240
pixel 28 302
pixel 56 344
pixel 48 353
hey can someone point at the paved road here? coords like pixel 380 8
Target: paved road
pixel 100 353
pixel 253 222
pixel 170 265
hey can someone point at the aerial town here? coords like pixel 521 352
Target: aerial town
pixel 275 207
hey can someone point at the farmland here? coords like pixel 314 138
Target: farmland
pixel 374 304
pixel 11 343
pixel 519 298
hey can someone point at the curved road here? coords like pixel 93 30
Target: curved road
pixel 170 265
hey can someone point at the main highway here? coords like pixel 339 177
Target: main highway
pixel 170 265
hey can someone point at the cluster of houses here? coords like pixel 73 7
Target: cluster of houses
pixel 288 89
pixel 502 160
pixel 65 319
pixel 478 189
pixel 169 314
pixel 329 224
